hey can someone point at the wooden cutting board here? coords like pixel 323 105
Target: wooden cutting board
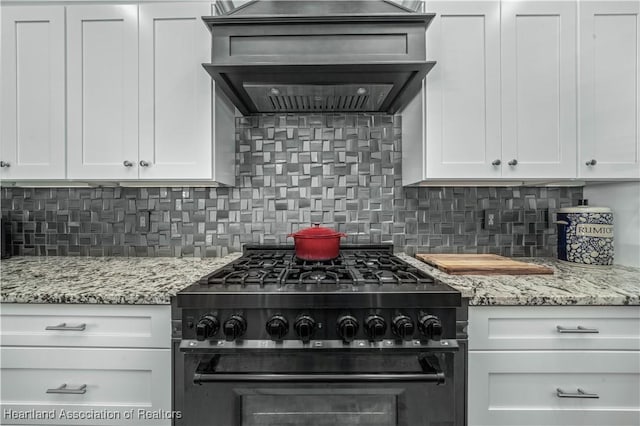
pixel 481 264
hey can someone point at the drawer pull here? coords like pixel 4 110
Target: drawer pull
pixel 64 389
pixel 579 394
pixel 578 329
pixel 65 327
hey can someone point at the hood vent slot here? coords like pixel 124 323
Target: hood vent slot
pixel 318 98
pixel 308 103
pixel 323 56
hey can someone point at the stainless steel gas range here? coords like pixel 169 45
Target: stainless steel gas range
pixel 364 339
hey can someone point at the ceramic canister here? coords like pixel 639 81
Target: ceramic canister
pixel 585 235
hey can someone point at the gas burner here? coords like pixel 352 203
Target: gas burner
pixel 318 276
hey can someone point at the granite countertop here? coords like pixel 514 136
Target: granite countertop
pixel 569 285
pixel 107 280
pixel 153 280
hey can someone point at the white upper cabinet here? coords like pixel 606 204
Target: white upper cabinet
pixel 609 89
pixel 102 91
pixel 175 92
pixel 538 43
pixel 501 101
pixel 139 101
pixel 463 90
pixel 32 135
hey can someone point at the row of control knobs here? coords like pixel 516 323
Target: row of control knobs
pixel 402 326
pixel 347 326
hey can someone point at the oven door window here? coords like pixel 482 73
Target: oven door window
pixel 322 407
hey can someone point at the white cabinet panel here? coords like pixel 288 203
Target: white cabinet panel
pixel 102 49
pixel 520 388
pixel 536 327
pixel 518 360
pixel 95 325
pixel 175 92
pixel 539 89
pixel 463 90
pixel 33 98
pixel 609 92
pixel 117 381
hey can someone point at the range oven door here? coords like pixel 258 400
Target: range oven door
pixel 313 389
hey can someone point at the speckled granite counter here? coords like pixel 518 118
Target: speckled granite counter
pixel 137 280
pixel 570 285
pixel 150 280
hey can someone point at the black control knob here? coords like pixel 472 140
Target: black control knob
pixel 403 327
pixel 375 327
pixel 234 327
pixel 431 327
pixel 207 327
pixel 277 327
pixel 347 328
pixel 305 326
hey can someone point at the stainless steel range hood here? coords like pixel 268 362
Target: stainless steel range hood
pixel 319 56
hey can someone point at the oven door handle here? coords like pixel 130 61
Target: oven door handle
pixel 431 373
pixel 200 378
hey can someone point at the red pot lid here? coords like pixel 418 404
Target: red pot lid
pixel 317 231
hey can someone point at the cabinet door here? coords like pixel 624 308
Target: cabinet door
pixel 539 89
pixel 175 92
pixel 609 89
pixel 463 90
pixel 102 91
pixel 32 136
pixel 513 388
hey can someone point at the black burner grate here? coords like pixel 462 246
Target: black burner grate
pixel 280 267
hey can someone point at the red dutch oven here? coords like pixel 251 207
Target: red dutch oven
pixel 317 243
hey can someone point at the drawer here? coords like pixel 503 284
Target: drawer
pixel 117 384
pixel 536 327
pixel 512 388
pixel 133 326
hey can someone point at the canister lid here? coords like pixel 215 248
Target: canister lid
pixel 584 209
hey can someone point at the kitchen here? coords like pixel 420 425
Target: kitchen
pixel 142 182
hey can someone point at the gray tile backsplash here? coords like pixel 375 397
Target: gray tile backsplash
pixel 341 170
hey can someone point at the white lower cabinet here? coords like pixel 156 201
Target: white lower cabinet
pixel 85 364
pixel 126 326
pixel 554 365
pixel 541 388
pixel 74 386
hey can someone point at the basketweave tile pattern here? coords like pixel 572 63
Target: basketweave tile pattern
pixel 340 170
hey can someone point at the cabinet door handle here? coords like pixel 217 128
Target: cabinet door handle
pixel 579 329
pixel 496 162
pixel 65 327
pixel 64 389
pixel 591 162
pixel 513 162
pixel 4 164
pixel 144 163
pixel 127 163
pixel 579 394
